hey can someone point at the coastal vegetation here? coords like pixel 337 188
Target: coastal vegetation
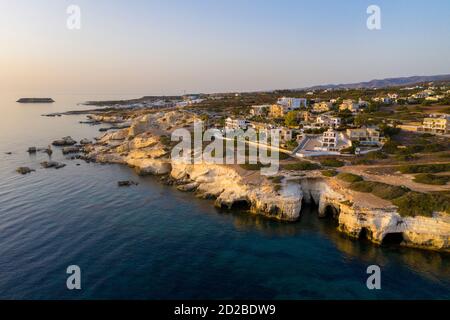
pixel 428 178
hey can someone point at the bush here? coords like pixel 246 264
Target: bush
pixel 332 163
pixel 425 168
pixel 276 179
pixel 379 189
pixel 277 187
pixel 303 165
pixel 329 173
pixel 349 177
pixel 421 204
pixel 376 155
pixel 427 178
pixel 390 147
pixel 252 167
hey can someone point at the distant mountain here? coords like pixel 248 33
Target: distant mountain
pixel 384 83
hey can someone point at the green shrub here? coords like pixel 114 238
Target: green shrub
pixel 277 187
pixel 379 189
pixel 349 177
pixel 332 163
pixel 428 178
pixel 252 167
pixel 421 204
pixel 425 168
pixel 276 179
pixel 376 155
pixel 405 157
pixel 329 173
pixel 303 165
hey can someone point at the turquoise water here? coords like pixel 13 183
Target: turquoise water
pixel 154 242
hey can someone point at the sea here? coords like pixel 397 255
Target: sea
pixel 153 242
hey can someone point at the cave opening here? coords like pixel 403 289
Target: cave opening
pixel 364 234
pixel 331 213
pixel 395 238
pixel 242 205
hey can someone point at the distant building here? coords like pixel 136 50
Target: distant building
pixel 384 100
pixel 259 110
pixel 235 124
pixel 328 121
pixel 437 123
pixel 294 103
pixel 393 96
pixel 349 105
pixel 362 103
pixel 322 107
pixel 285 134
pixel 332 141
pixel 365 136
pixel 285 105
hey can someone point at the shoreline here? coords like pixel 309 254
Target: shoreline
pixel 141 148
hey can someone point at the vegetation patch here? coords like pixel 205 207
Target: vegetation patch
pixel 425 168
pixel 428 178
pixel 332 163
pixel 379 189
pixel 303 165
pixel 252 167
pixel 329 173
pixel 349 177
pixel 421 204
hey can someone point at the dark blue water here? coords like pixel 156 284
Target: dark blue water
pixel 154 242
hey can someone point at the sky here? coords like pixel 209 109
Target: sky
pixel 176 46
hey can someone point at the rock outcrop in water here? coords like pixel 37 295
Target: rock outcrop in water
pixel 142 148
pixel 35 100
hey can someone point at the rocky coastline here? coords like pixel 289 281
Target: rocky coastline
pixel 142 145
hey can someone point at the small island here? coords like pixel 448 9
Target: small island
pixel 35 100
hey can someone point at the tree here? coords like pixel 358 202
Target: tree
pixel 291 119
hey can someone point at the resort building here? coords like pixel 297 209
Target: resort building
pixel 437 123
pixel 322 107
pixel 365 136
pixel 235 124
pixel 286 134
pixel 349 105
pixel 332 141
pixel 260 110
pixel 383 100
pixel 328 121
pixel 294 103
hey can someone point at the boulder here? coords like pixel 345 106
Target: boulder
pixel 24 170
pixel 52 164
pixel 73 149
pixel 32 150
pixel 66 141
pixel 127 183
pixel 85 141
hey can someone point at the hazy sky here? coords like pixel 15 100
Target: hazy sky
pixel 170 46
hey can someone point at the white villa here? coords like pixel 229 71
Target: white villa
pixel 234 124
pixel 328 121
pixel 437 123
pixel 333 141
pixel 365 136
pixel 294 103
pixel 259 110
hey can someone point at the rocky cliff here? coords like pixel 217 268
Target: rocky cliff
pixel 230 187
